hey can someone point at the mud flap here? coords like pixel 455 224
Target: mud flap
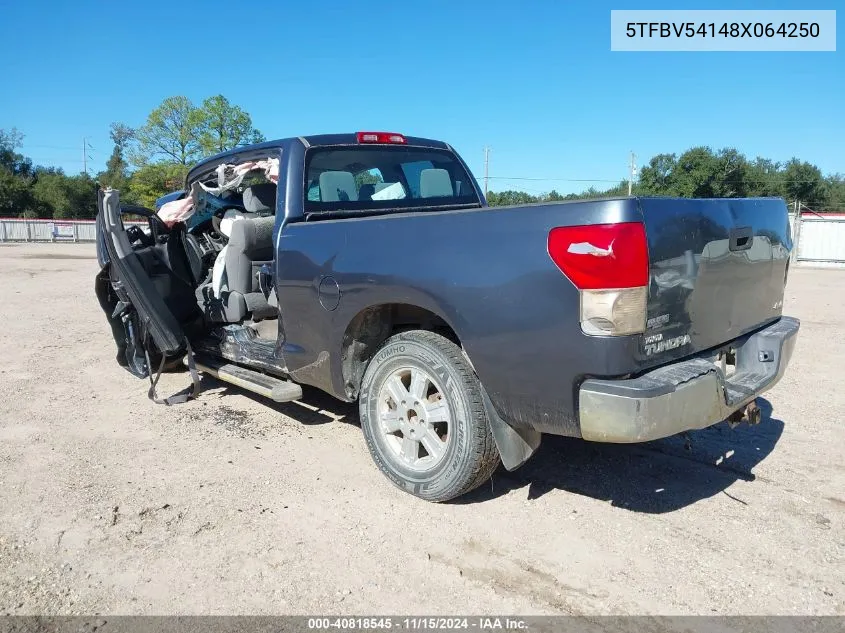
pixel 516 446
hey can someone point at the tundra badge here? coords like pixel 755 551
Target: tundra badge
pixel 654 344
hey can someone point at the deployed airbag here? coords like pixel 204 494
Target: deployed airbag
pixel 229 177
pixel 176 211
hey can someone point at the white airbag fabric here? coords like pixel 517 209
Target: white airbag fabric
pixel 231 176
pixel 394 191
pixel 229 218
pixel 219 283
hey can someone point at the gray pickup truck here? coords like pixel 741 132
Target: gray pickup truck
pixel 368 265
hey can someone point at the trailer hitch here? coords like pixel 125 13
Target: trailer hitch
pixel 750 414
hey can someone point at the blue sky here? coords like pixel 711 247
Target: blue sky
pixel 535 80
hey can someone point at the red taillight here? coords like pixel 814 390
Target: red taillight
pixel 381 137
pixel 601 256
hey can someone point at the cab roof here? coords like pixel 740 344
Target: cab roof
pixel 317 140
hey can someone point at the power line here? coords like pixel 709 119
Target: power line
pixel 551 179
pixel 774 180
pixel 27 145
pixel 533 190
pixel 486 165
pixel 58 160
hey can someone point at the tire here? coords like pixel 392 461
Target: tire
pixel 430 375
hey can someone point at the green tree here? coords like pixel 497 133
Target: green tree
pixel 367 178
pixel 702 173
pixel 15 195
pixel 171 133
pixel 116 174
pixel 835 190
pixel 697 173
pixel 657 178
pixel 803 181
pixel 154 180
pixel 17 164
pixel 61 196
pixel 619 190
pixel 694 174
pixel 592 192
pixel 15 177
pixel 221 126
pixel 509 197
pixel 765 178
pixel 730 179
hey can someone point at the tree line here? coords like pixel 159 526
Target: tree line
pixel 146 162
pixel 153 159
pixel 701 172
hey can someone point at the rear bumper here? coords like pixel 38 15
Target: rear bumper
pixel 687 395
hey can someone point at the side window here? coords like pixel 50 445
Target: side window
pixel 412 174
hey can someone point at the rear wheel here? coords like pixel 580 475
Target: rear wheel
pixel 423 417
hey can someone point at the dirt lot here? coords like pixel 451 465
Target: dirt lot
pixel 112 504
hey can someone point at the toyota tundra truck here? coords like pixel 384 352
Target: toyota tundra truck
pixel 368 265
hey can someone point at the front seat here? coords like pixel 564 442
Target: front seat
pixel 435 183
pixel 337 186
pixel 366 192
pixel 250 246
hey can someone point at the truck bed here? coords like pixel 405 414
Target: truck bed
pixel 488 274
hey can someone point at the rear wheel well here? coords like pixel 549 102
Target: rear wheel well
pixel 373 326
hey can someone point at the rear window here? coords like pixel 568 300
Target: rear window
pixel 367 178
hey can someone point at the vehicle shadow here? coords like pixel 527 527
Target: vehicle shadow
pixel 656 477
pixel 316 406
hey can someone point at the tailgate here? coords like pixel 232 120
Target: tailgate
pixel 717 271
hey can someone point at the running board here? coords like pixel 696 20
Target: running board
pixel 256 382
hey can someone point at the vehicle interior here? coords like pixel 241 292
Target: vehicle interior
pixel 200 277
pixel 209 251
pixel 236 244
pixel 213 267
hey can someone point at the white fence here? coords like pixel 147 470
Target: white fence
pixel 20 230
pixel 819 238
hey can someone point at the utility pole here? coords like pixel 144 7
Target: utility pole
pixel 633 172
pixel 486 165
pixel 85 147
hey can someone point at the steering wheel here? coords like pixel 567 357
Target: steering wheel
pixel 217 218
pixel 156 224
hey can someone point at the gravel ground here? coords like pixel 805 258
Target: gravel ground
pixel 229 504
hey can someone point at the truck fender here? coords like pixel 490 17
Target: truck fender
pixel 516 445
